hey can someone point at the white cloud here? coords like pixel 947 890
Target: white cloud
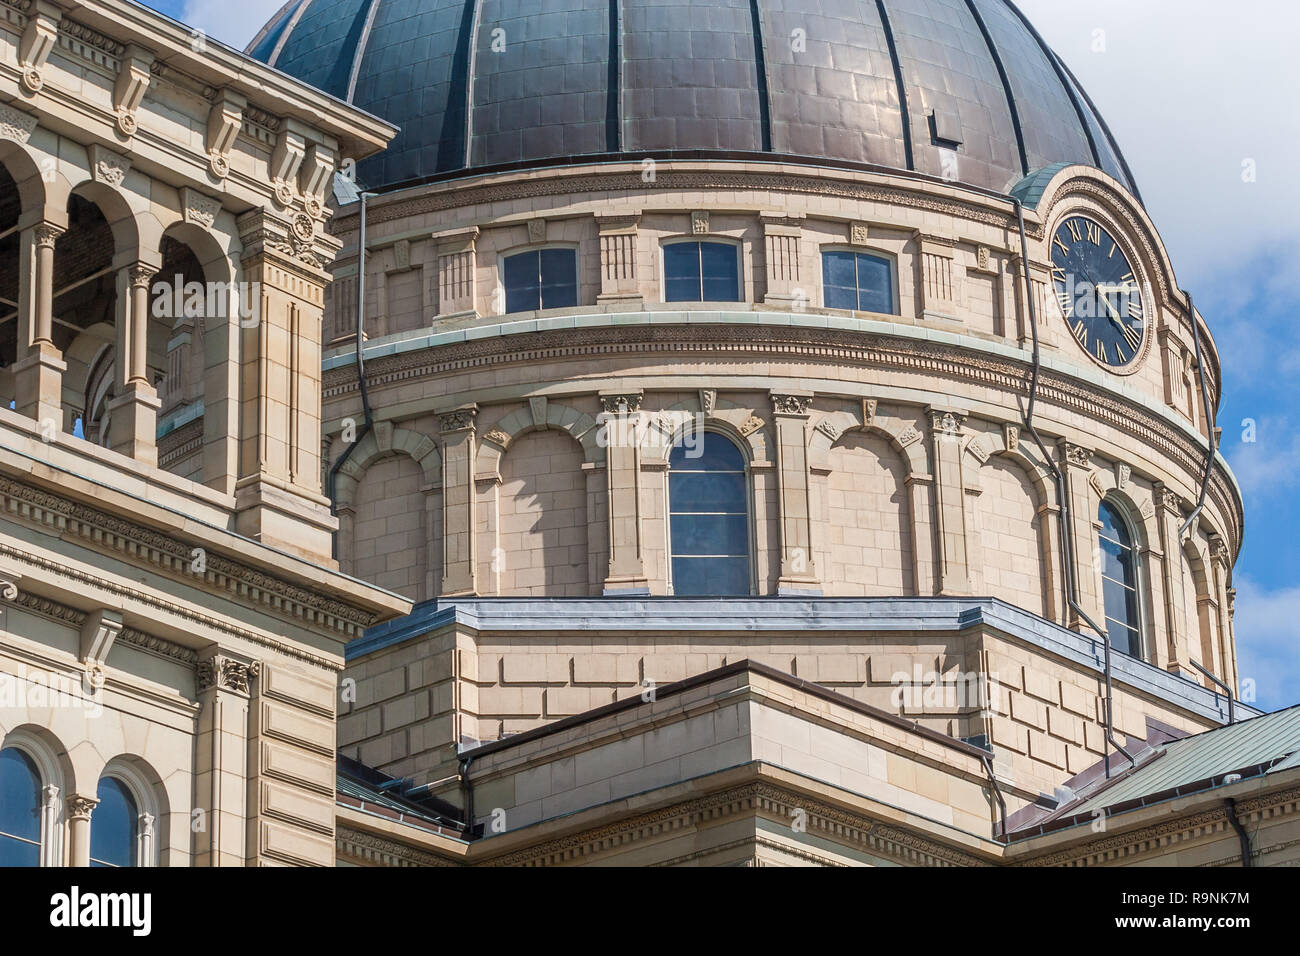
pixel 1267 625
pixel 233 22
pixel 1267 466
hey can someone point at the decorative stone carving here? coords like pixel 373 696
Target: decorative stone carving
pixel 81 807
pixel 497 436
pixel 141 274
pixel 108 167
pixel 16 125
pixel 946 424
pixel 1077 455
pixel 982 257
pixel 536 230
pixel 1148 509
pixel 225 119
pixel 458 419
pixel 200 210
pixel 620 403
pixel 708 400
pixel 908 436
pixel 37 42
pixel 304 227
pixel 286 159
pixel 869 411
pixel 128 90
pixel 751 425
pixel 46 234
pixel 791 404
pixel 224 673
pixel 858 233
pixel 1122 474
pixel 1095 482
pixel 1011 437
pixel 8 590
pixel 829 429
pixel 979 448
pixel 699 222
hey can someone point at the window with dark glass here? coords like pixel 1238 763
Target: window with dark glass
pixel 708 514
pixel 20 809
pixel 1119 576
pixel 701 272
pixel 857 281
pixel 114 825
pixel 541 279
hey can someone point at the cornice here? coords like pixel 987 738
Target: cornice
pixel 65 614
pixel 830 822
pixel 138 544
pixel 864 349
pixel 380 850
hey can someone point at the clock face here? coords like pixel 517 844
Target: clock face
pixel 1098 292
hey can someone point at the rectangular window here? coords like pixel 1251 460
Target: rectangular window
pixel 857 281
pixel 701 272
pixel 541 279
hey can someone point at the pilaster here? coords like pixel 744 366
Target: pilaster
pixel 790 414
pixel 619 421
pixel 459 569
pixel 950 532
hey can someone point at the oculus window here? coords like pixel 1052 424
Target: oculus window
pixel 1119 579
pixel 701 272
pixel 857 281
pixel 114 825
pixel 20 809
pixel 708 517
pixel 541 279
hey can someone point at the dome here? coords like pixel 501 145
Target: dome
pixel 961 90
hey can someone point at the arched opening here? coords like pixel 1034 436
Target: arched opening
pixel 114 825
pixel 710 543
pixel 1121 592
pixel 388 544
pixel 20 809
pixel 1011 543
pixel 10 237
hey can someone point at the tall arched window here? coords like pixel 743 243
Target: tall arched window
pixel 708 512
pixel 114 826
pixel 1119 581
pixel 20 809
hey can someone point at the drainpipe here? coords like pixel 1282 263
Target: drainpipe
pixel 1230 807
pixel 369 421
pixel 1062 496
pixel 997 793
pixel 467 792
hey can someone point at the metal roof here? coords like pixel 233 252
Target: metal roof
pixel 963 90
pixel 1271 741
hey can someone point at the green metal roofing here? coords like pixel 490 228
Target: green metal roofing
pixel 1271 739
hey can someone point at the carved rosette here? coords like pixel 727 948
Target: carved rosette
pixel 126 123
pixel 31 79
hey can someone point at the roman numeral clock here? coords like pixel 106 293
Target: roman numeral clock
pixel 1099 295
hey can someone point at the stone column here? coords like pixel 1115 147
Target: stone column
pixel 790 414
pixel 950 505
pixel 38 373
pixel 51 844
pixel 620 423
pixel 618 255
pixel 456 275
pixel 781 241
pixel 1169 517
pixel 278 496
pixel 458 451
pixel 78 810
pixel 221 760
pixel 133 412
pixel 1076 462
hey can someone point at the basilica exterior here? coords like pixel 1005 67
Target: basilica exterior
pixel 723 433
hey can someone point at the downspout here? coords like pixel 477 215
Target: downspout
pixel 369 421
pixel 997 793
pixel 1205 481
pixel 1062 495
pixel 467 793
pixel 1230 807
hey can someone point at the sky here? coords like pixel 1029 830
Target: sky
pixel 1199 94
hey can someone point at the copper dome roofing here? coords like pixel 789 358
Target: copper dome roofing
pixel 957 89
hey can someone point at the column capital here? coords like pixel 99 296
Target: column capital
pixel 946 422
pixel 1076 455
pixel 458 419
pixel 798 404
pixel 46 234
pixel 225 673
pixel 80 807
pixel 140 273
pixel 626 402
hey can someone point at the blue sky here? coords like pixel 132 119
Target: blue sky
pixel 1194 91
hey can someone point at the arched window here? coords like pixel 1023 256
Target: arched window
pixel 114 826
pixel 541 279
pixel 857 281
pixel 708 513
pixel 1119 581
pixel 701 272
pixel 20 809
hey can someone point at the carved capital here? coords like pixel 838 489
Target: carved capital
pixel 1076 455
pixel 80 807
pixel 620 403
pixel 946 424
pixel 140 274
pixel 224 673
pixel 46 234
pixel 784 403
pixel 458 419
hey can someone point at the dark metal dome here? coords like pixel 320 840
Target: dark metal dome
pixel 955 89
